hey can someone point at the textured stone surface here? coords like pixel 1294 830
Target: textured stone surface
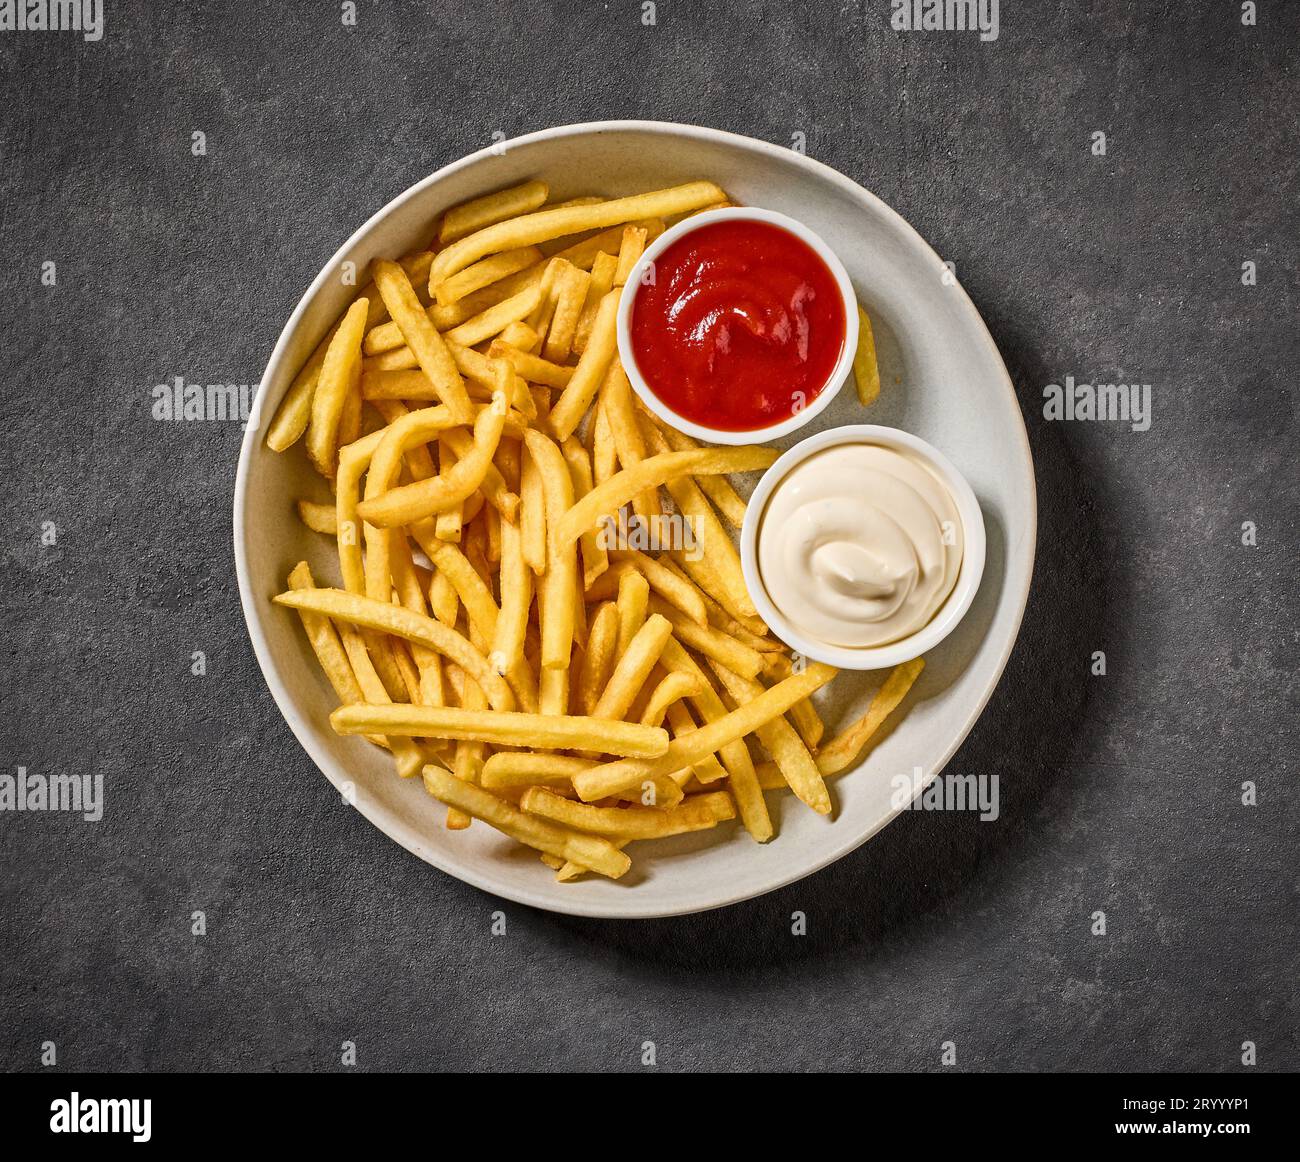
pixel 1121 793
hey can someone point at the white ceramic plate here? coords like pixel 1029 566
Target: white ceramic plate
pixel 942 379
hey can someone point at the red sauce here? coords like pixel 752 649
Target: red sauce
pixel 742 327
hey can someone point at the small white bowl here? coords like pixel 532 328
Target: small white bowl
pixel 750 435
pixel 949 613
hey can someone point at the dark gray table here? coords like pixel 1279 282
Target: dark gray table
pixel 1121 794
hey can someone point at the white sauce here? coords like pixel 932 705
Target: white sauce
pixel 860 545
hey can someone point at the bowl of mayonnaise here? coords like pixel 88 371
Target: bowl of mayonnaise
pixel 862 547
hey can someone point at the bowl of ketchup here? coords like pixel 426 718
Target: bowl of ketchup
pixel 737 325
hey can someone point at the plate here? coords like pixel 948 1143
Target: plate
pixel 941 379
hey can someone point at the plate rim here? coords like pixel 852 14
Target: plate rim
pixel 253 439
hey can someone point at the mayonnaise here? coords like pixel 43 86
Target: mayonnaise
pixel 859 545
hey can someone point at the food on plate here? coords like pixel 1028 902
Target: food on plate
pixel 741 327
pixel 515 615
pixel 859 545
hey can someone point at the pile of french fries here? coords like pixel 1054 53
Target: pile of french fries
pixel 472 417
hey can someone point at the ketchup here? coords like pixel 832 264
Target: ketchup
pixel 741 328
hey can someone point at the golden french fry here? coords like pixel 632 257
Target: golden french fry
pixel 576 398
pixel 532 515
pixel 650 473
pixel 521 768
pixel 547 224
pixel 325 642
pixel 629 252
pixel 783 744
pixel 423 339
pixel 709 769
pixel 616 403
pixel 503 728
pixel 558 593
pixel 570 296
pixel 588 850
pixel 633 668
pixel 841 751
pixel 473 592
pixel 595 560
pixel 474 215
pixel 711 643
pixel 717 488
pixel 320 518
pixel 294 411
pixel 388 618
pixel 493 485
pixel 481 274
pixel 516 597
pixel 604 456
pixel 531 367
pixel 339 375
pixel 412 502
pixel 495 319
pixel 633 601
pixel 676 590
pixel 599 658
pixel 671 688
pixel 610 778
pixel 696 813
pixel 866 371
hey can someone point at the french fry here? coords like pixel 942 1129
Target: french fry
pixel 717 488
pixel 479 213
pixel 393 619
pixel 339 375
pixel 844 748
pixel 531 367
pixel 516 597
pixel 599 658
pixel 576 398
pixel 616 404
pixel 650 473
pixel 520 768
pixel 696 813
pixel 294 410
pixel 633 601
pixel 604 455
pixel 633 668
pixel 630 250
pixel 671 688
pixel 601 283
pixel 532 515
pixel 325 642
pixel 595 559
pixel 708 769
pixel 712 643
pixel 547 224
pixel 588 850
pixel 558 592
pixel 484 273
pixel 503 728
pixel 423 339
pixel 495 319
pixel 320 518
pixel 412 502
pixel 783 744
pixel 675 589
pixel 866 371
pixel 611 778
pixel 570 296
